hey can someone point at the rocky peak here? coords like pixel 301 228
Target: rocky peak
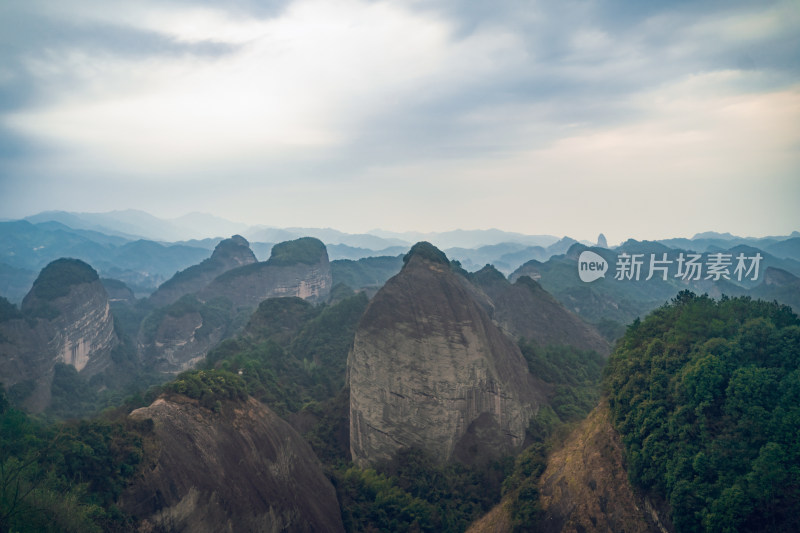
pixel 228 254
pixel 235 250
pixel 429 369
pixel 295 268
pixel 238 468
pixel 69 294
pixel 55 281
pixel 425 251
pixel 65 318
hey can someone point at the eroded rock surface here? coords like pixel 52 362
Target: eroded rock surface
pixel 429 369
pixel 295 268
pixel 239 469
pixel 65 318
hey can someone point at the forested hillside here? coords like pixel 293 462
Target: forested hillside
pixel 706 397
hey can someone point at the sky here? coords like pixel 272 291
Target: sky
pixel 635 119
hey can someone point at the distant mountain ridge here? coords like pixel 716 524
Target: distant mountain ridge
pixel 113 243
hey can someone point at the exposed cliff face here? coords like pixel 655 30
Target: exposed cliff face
pixel 83 329
pixel 175 337
pixel 67 319
pixel 429 369
pixel 228 254
pixel 525 309
pixel 295 268
pixel 181 341
pixel 241 469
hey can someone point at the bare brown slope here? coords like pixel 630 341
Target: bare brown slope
pixel 584 488
pixel 241 469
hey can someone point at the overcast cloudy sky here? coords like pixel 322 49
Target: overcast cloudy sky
pixel 638 119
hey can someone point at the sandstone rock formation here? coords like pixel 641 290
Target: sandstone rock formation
pixel 429 369
pixel 228 254
pixel 65 318
pixel 525 309
pixel 239 469
pixel 177 337
pixel 295 268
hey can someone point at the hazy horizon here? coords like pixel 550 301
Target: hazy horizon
pixel 204 230
pixel 643 121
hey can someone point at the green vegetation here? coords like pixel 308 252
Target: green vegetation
pixel 56 278
pixel 8 311
pixel 427 251
pixel 65 477
pixel 574 374
pixel 306 250
pixel 294 353
pixel 575 377
pixel 412 493
pixel 210 387
pixel 706 396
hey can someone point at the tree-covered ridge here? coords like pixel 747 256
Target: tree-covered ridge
pixel 427 251
pixel 56 278
pixel 706 397
pixel 294 353
pixel 306 250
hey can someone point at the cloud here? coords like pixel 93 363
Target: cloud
pixel 346 97
pixel 303 80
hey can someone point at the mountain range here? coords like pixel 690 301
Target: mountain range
pixel 144 251
pixel 230 385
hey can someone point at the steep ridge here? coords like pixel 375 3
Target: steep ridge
pixel 583 488
pixel 525 309
pixel 65 318
pixel 228 254
pixel 241 468
pixel 176 337
pixel 295 268
pixel 429 369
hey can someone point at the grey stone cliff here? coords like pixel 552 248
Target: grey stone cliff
pixel 296 268
pixel 239 469
pixel 65 318
pixel 429 369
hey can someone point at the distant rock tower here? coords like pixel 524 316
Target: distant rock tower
pixel 601 241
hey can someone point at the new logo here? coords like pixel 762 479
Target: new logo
pixel 591 266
